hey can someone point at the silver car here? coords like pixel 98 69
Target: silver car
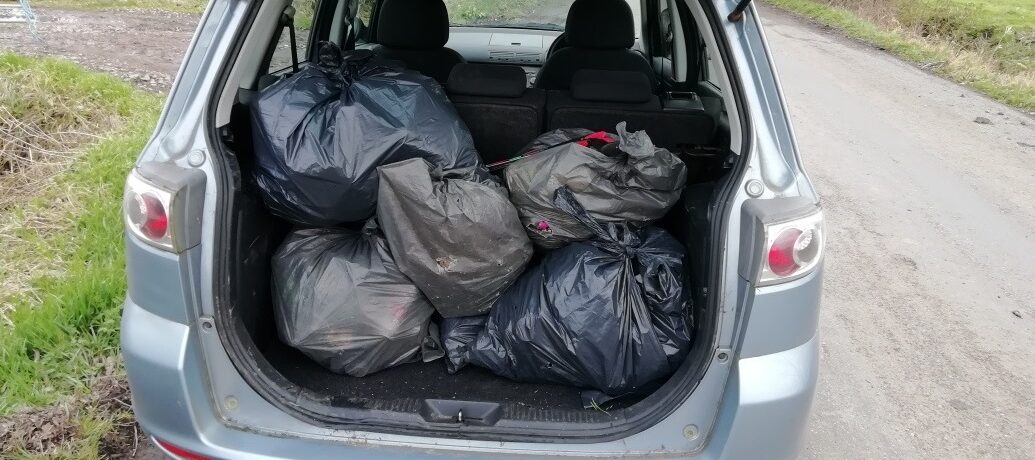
pixel 211 379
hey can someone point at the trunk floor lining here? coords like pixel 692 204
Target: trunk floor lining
pixel 418 381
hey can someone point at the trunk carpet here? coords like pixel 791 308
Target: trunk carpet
pixel 419 381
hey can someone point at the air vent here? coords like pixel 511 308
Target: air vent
pixel 517 57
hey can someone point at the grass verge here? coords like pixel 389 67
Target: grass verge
pixel 60 336
pixel 989 47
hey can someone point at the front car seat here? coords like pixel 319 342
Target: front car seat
pixel 600 35
pixel 415 32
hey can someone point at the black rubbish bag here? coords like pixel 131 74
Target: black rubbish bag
pixel 340 299
pixel 320 135
pixel 635 182
pixel 609 314
pixel 454 234
pixel 457 336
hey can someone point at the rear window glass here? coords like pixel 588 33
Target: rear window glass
pixel 519 14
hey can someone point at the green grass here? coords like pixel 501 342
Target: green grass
pixel 51 96
pixel 59 338
pixel 61 92
pixel 987 46
pixel 304 10
pixel 53 348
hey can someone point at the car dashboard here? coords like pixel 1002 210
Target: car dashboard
pixel 524 47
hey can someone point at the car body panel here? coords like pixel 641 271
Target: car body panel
pixel 789 308
pixel 150 274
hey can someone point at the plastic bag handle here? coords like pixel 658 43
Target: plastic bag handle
pixel 351 66
pixel 371 227
pixel 329 56
pixel 347 67
pixel 565 201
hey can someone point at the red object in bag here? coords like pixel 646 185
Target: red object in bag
pixel 593 140
pixel 602 138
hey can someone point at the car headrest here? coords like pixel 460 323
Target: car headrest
pixel 600 24
pixel 610 86
pixel 413 24
pixel 487 80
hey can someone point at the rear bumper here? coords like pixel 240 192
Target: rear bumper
pixel 762 415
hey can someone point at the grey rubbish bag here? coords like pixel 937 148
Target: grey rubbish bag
pixel 319 135
pixel 454 234
pixel 340 299
pixel 609 314
pixel 636 183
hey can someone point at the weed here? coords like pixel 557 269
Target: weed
pixel 49 109
pixel 597 407
pixel 98 424
pixel 64 245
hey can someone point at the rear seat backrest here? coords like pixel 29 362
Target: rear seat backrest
pixel 600 35
pixel 600 99
pixel 415 32
pixel 500 111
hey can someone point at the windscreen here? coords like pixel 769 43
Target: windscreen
pixel 531 14
pixel 520 14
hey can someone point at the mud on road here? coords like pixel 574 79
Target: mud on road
pixel 928 322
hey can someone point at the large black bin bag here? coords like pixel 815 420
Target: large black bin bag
pixel 458 334
pixel 340 299
pixel 456 236
pixel 608 314
pixel 321 134
pixel 634 182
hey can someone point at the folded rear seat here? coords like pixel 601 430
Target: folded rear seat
pixel 600 99
pixel 501 112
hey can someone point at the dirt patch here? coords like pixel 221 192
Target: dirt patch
pixel 58 429
pixel 110 397
pixel 37 430
pixel 142 47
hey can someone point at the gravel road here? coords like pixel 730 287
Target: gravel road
pixel 928 325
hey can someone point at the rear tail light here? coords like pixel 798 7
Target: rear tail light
pixel 162 205
pixel 148 214
pixel 146 208
pixel 793 248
